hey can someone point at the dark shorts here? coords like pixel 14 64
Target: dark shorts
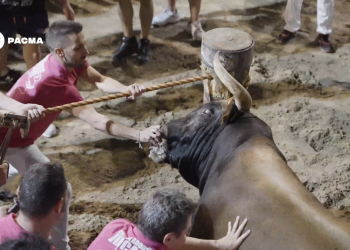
pixel 26 26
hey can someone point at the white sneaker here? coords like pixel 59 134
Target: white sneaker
pixel 165 18
pixel 50 131
pixel 196 30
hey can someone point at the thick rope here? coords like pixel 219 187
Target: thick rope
pixel 120 95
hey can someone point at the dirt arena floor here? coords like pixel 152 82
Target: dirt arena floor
pixel 302 93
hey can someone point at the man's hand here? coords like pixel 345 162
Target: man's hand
pixel 136 90
pixel 3 211
pixel 35 112
pixel 233 240
pixel 67 10
pixel 151 134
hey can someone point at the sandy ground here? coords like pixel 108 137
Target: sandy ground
pixel 302 93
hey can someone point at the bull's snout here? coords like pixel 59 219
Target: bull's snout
pixel 159 153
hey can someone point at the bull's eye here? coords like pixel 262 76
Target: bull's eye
pixel 206 112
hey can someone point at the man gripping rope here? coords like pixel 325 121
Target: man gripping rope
pixel 52 82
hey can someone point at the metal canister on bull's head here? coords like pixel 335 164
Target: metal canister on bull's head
pixel 236 55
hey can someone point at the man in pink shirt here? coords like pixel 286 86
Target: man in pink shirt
pixel 43 195
pixel 164 222
pixel 52 82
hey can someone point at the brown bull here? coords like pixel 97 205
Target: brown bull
pixel 240 171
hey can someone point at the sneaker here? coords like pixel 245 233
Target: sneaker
pixel 50 131
pixel 128 48
pixel 165 18
pixel 144 51
pixel 326 46
pixel 196 30
pixel 285 36
pixel 16 51
pixel 11 77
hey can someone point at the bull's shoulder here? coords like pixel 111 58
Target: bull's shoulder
pixel 262 148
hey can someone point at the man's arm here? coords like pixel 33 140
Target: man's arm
pixel 104 124
pixel 67 10
pixel 34 111
pixel 110 85
pixel 232 241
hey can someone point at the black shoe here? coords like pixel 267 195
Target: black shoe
pixel 6 195
pixel 144 51
pixel 11 77
pixel 128 48
pixel 285 36
pixel 326 46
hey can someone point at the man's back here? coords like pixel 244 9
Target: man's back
pixel 122 234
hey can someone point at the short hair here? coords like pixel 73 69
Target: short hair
pixel 57 33
pixel 167 211
pixel 42 186
pixel 26 242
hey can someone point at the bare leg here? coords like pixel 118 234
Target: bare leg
pixel 146 15
pixel 195 6
pixel 126 13
pixel 31 54
pixel 3 60
pixel 171 5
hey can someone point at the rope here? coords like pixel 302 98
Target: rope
pixel 120 95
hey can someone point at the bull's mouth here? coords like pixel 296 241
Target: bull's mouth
pixel 160 153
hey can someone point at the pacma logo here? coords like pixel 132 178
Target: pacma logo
pixel 23 40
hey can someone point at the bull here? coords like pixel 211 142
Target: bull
pixel 230 155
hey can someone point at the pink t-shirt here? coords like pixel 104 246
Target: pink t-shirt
pixel 9 229
pixel 48 84
pixel 123 235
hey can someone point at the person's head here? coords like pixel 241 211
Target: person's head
pixel 26 242
pixel 166 217
pixel 66 41
pixel 43 192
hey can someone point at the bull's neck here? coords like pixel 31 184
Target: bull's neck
pixel 192 159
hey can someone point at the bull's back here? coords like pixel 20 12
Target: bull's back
pixel 257 184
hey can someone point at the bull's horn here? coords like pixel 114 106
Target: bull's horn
pixel 242 98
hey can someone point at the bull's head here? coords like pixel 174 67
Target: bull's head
pixel 189 139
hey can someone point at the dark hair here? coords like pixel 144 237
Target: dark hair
pixel 57 33
pixel 26 242
pixel 166 212
pixel 42 186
